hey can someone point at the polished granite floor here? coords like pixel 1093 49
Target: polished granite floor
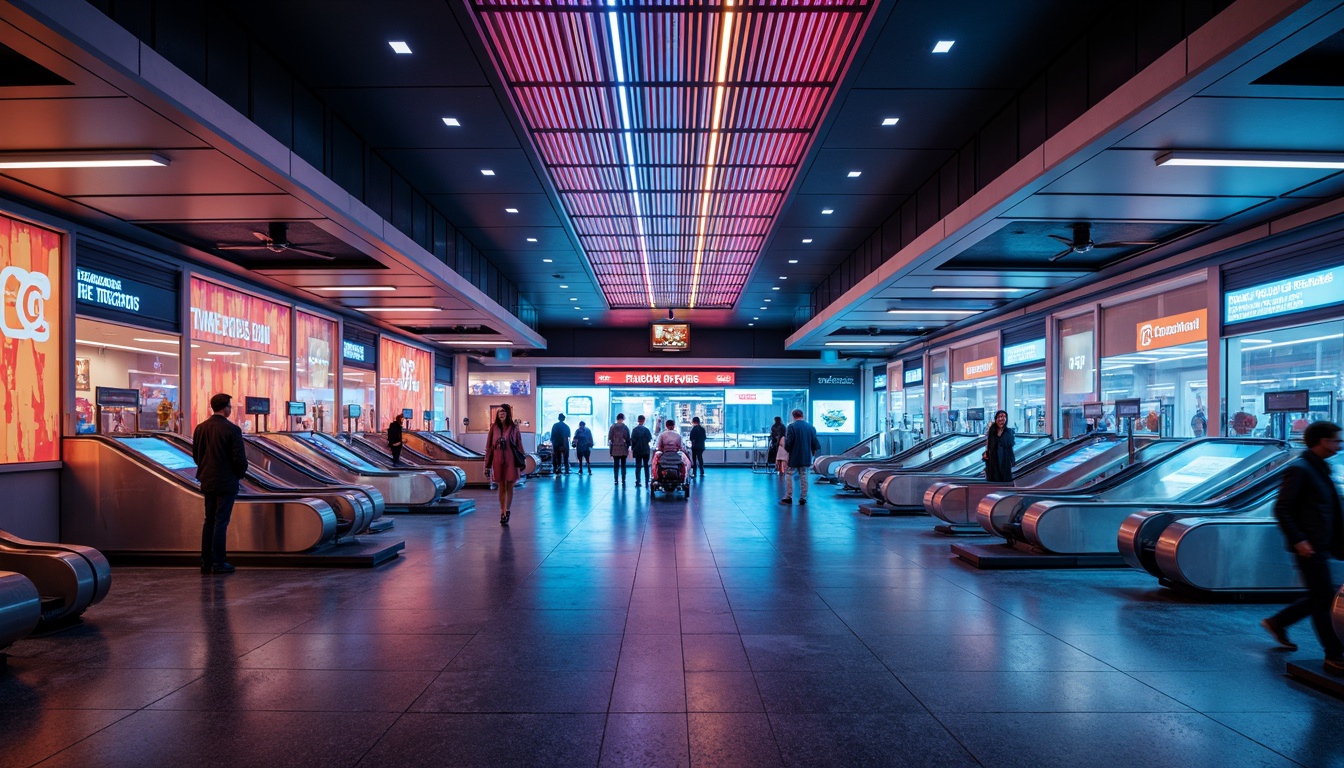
pixel 602 628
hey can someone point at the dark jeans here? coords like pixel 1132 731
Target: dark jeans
pixel 1320 597
pixel 642 461
pixel 560 458
pixel 618 466
pixel 698 460
pixel 585 456
pixel 396 454
pixel 214 533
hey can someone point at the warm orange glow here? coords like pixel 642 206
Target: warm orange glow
pixel 715 123
pixel 30 332
pixel 405 380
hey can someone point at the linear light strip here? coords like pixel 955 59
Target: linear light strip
pixel 725 38
pixel 614 25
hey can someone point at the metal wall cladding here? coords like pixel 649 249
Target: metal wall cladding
pixel 673 130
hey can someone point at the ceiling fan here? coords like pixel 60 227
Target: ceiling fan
pixel 276 240
pixel 1082 242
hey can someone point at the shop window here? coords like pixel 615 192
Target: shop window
pixel 443 414
pixel 315 341
pixel 1309 357
pixel 1077 372
pixel 939 393
pixel 590 405
pixel 1024 400
pixel 359 386
pixel 975 384
pixel 750 414
pixel 121 357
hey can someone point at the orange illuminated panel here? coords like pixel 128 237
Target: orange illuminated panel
pixel 980 369
pixel 315 342
pixel 236 319
pixel 405 379
pixel 1173 330
pixel 30 359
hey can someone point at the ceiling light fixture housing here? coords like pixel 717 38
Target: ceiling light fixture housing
pixel 890 121
pixel 855 174
pixel 399 47
pixel 1319 160
pixel 353 288
pixel 452 122
pixel 954 289
pixel 27 160
pixel 934 311
pixel 943 46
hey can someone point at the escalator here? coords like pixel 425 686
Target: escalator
pixel 20 609
pixel 404 489
pixel 1080 462
pixel 903 491
pixel 136 498
pixel 354 507
pixel 822 465
pixel 850 474
pixel 439 446
pixel 373 447
pixel 1079 529
pixel 69 578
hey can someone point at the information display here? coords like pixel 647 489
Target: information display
pixel 1281 297
pixel 1024 353
pixel 115 397
pixel 975 414
pixel 257 406
pixel 1076 367
pixel 834 417
pixel 1288 401
pixel 1127 409
pixel 670 337
pixel 1093 410
pixel 407 414
pixel 354 411
pixel 297 408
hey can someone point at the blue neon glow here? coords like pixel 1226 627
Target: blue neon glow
pixel 622 96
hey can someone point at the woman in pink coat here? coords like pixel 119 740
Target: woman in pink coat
pixel 499 450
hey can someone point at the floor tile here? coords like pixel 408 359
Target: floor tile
pixel 31 734
pixel 645 741
pixel 520 691
pixel 732 741
pixel 833 692
pixel 856 740
pixel 714 653
pixel 722 692
pixel 1008 653
pixel 348 651
pixel 947 691
pixel 1310 738
pixel 300 690
pixel 487 741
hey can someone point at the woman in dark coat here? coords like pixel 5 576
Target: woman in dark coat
pixel 776 434
pixel 999 450
pixel 499 443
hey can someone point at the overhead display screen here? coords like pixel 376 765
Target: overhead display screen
pixel 833 417
pixel 670 337
pixel 1281 297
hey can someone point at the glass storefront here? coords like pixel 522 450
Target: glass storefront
pixel 239 345
pixel 1156 350
pixel 443 414
pixel 315 343
pixel 939 394
pixel 406 383
pixel 1309 357
pixel 587 404
pixel 1077 372
pixel 1024 399
pixel 122 357
pixel 975 384
pixel 359 384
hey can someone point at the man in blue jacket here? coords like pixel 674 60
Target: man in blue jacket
pixel 560 445
pixel 640 437
pixel 1309 514
pixel 800 440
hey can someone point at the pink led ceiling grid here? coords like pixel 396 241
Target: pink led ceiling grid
pixel 672 130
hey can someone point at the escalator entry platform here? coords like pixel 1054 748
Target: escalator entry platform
pixel 878 509
pixel 360 553
pixel 1313 673
pixel 444 506
pixel 1000 557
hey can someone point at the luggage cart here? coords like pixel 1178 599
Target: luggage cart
pixel 760 455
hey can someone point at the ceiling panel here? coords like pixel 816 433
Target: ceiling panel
pixel 103 123
pixel 926 118
pixel 420 113
pixel 1121 207
pixel 1302 125
pixel 200 207
pixel 190 172
pixel 884 171
pixel 1135 172
pixel 458 171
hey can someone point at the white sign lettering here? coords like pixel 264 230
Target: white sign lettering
pixel 31 292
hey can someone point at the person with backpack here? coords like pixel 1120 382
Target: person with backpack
pixel 583 447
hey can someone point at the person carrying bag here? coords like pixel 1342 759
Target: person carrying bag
pixel 504 458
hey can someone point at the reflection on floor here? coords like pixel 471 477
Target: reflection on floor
pixel 602 628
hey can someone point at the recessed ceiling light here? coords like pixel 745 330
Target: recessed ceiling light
pixel 578 307
pixel 20 160
pixel 933 311
pixel 477 343
pixel 751 324
pixel 510 210
pixel 487 172
pixel 755 318
pixel 783 277
pixel 774 287
pixel 337 288
pixel 585 318
pixel 452 122
pixel 391 309
pixel 860 343
pixel 573 298
pixel 855 174
pixel 399 46
pixel 1251 159
pixel 564 286
pixel 548 261
pixel 793 261
pixel 807 239
pixel 827 211
pixel 764 308
pixel 891 120
pixel 951 289
pixel 943 46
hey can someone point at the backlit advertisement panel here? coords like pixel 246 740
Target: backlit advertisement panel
pixel 30 398
pixel 240 346
pixel 405 379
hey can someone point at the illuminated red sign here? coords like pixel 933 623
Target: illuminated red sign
pixel 663 378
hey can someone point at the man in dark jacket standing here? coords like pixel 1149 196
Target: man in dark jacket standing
pixel 697 446
pixel 394 439
pixel 618 441
pixel 221 462
pixel 640 437
pixel 1308 511
pixel 800 440
pixel 560 445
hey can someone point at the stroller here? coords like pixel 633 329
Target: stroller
pixel 670 475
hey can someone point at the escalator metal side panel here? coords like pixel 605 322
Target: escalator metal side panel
pixel 453 477
pixel 56 574
pixel 1227 554
pixel 1138 537
pixel 20 608
pixel 98 565
pixel 114 502
pixel 409 489
pixel 293 470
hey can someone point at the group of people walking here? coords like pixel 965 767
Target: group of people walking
pixel 625 442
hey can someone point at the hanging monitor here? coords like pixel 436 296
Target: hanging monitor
pixel 670 337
